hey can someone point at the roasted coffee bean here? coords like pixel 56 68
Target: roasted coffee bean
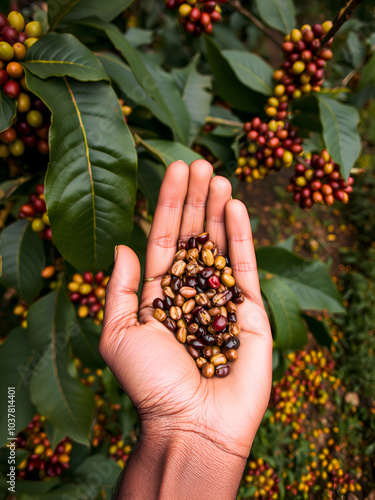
pixel 166 280
pixel 211 330
pixel 202 283
pixel 160 315
pixel 232 343
pixel 236 290
pixel 188 292
pixel 194 353
pixel 223 311
pixel 190 338
pixel 199 289
pixel 170 324
pixel 210 293
pixel 219 323
pixel 226 270
pixel 238 299
pixel 180 255
pixel 218 359
pixel 231 307
pixel 219 340
pixel 222 370
pixel 192 242
pixel 181 335
pixel 168 292
pixel 208 245
pixel 215 350
pixel 158 303
pixel 208 370
pixel 196 310
pixel 201 299
pixel 201 331
pixel 200 362
pixel 208 272
pixel 176 284
pixel 191 281
pixel 192 269
pixel 188 306
pixel 221 288
pixel 168 303
pixel 220 299
pixel 192 328
pixel 202 238
pixel 234 329
pixel 207 257
pixel 179 300
pixel 228 280
pixel 214 311
pixel 220 262
pixel 183 245
pixel 232 318
pixel 192 254
pixel 181 323
pixel 197 343
pixel 230 354
pixel 207 351
pixel 204 317
pixel 188 318
pixel 175 313
pixel 226 336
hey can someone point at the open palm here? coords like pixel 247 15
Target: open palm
pixel 154 369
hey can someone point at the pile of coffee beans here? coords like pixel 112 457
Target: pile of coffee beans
pixel 200 303
pixel 197 16
pixel 35 210
pixel 269 146
pixel 319 180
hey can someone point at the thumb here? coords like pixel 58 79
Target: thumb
pixel 121 304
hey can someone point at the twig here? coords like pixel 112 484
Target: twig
pixel 236 5
pixel 343 16
pixel 213 120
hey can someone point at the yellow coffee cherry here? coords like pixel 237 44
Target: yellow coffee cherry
pixel 184 10
pixel 83 311
pixel 34 29
pixel 16 20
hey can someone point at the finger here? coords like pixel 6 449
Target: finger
pixel 165 229
pixel 121 304
pixel 219 194
pixel 241 250
pixel 195 203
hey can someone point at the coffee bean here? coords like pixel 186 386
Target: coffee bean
pixel 176 284
pixel 192 254
pixel 188 292
pixel 202 283
pixel 220 262
pixel 166 280
pixel 181 335
pixel 183 245
pixel 231 307
pixel 201 299
pixel 207 257
pixel 192 328
pixel 170 324
pixel 208 370
pixel 213 282
pixel 222 370
pixel 238 299
pixel 175 313
pixel 204 317
pixel 158 304
pixel 168 302
pixel 180 255
pixel 179 300
pixel 219 323
pixel 230 354
pixel 210 293
pixel 181 323
pixel 188 306
pixel 207 351
pixel 168 292
pixel 218 359
pixel 234 329
pixel 192 242
pixel 228 280
pixel 200 362
pixel 160 315
pixel 202 238
pixel 191 281
pixel 197 343
pixel 232 318
pixel 194 353
pixel 192 269
pixel 220 299
pixel 208 272
pixel 232 343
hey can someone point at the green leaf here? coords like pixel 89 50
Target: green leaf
pixel 227 84
pixel 251 70
pixel 120 73
pixel 195 96
pixel 169 151
pixel 220 148
pixel 138 36
pixel 15 366
pixel 150 176
pixel 306 114
pixel 38 490
pixel 57 9
pixel 290 331
pixel 23 260
pixel 319 329
pixel 278 364
pixel 157 84
pixel 278 14
pixel 106 11
pixel 54 434
pixel 91 181
pixel 106 470
pixel 62 399
pixel 8 110
pixel 340 132
pixel 308 279
pixel 19 185
pixel 368 73
pixel 63 55
pixel 84 340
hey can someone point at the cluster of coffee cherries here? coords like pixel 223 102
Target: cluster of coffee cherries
pixel 118 450
pixel 200 303
pixel 43 461
pixel 197 16
pixel 29 129
pixel 21 310
pixel 15 39
pixel 35 210
pixel 264 478
pixel 126 109
pixel 269 146
pixel 302 71
pixel 88 291
pixel 319 180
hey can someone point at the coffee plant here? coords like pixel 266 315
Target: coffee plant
pixel 96 99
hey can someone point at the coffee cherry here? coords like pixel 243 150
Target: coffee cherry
pixel 29 42
pixel 34 118
pixel 14 70
pixel 17 148
pixel 9 35
pixel 12 89
pixel 34 29
pixel 19 51
pixel 16 20
pixel 6 51
pixel 23 103
pixel 9 135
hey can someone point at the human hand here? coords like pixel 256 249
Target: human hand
pixel 171 396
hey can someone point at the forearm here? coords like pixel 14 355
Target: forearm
pixel 180 466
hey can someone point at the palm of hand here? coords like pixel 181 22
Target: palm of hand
pixel 155 370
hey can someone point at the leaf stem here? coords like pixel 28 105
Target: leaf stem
pixel 343 15
pixel 236 5
pixel 213 120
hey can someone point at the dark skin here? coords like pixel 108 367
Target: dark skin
pixel 194 431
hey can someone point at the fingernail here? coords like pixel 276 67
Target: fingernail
pixel 115 253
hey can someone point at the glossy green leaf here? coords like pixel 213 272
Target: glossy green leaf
pixel 169 151
pixel 84 340
pixel 64 400
pixel 57 9
pixel 8 110
pixel 225 114
pixel 228 85
pixel 220 148
pixel 306 114
pixel 157 83
pixel 15 366
pixel 106 470
pixel 319 329
pixel 96 8
pixel 278 14
pixel 23 259
pixel 340 132
pixel 308 279
pixel 368 73
pixel 38 490
pixel 290 331
pixel 150 176
pixel 91 181
pixel 121 74
pixel 251 70
pixel 195 94
pixel 63 55
pixel 278 364
pixel 16 186
pixel 138 36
